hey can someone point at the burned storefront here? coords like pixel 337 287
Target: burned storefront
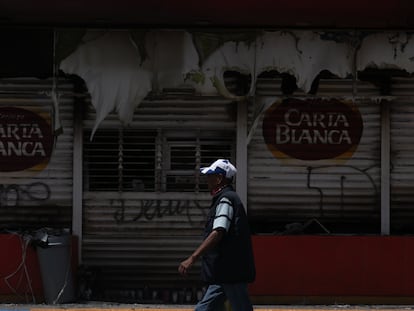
pixel 106 143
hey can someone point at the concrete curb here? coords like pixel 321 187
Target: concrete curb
pixel 139 307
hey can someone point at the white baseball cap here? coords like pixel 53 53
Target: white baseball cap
pixel 220 166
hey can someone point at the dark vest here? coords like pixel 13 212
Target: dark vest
pixel 232 260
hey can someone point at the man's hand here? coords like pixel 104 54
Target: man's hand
pixel 211 241
pixel 186 265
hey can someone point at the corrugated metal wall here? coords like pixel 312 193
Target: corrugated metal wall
pixel 339 194
pixel 402 156
pixel 134 239
pixel 35 199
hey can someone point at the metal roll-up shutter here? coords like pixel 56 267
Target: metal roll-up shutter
pixel 341 195
pixel 144 205
pixel 402 156
pixel 39 195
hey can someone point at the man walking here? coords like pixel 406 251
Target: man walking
pixel 226 251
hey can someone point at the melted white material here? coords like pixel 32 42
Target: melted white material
pixel 110 67
pixel 171 55
pixel 387 51
pixel 311 55
pixel 302 54
pixel 118 80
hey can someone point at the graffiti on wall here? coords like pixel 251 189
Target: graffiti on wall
pixel 12 195
pixel 348 176
pixel 152 210
pixel 321 130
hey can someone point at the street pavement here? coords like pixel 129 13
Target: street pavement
pixel 153 307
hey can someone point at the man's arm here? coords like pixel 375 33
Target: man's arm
pixel 210 242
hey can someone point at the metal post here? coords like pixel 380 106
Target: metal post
pixel 385 168
pixel 77 176
pixel 241 152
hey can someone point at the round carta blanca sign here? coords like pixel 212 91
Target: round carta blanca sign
pixel 312 129
pixel 26 140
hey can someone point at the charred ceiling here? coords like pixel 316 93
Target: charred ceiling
pixel 214 13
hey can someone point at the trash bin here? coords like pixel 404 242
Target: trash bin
pixel 55 268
